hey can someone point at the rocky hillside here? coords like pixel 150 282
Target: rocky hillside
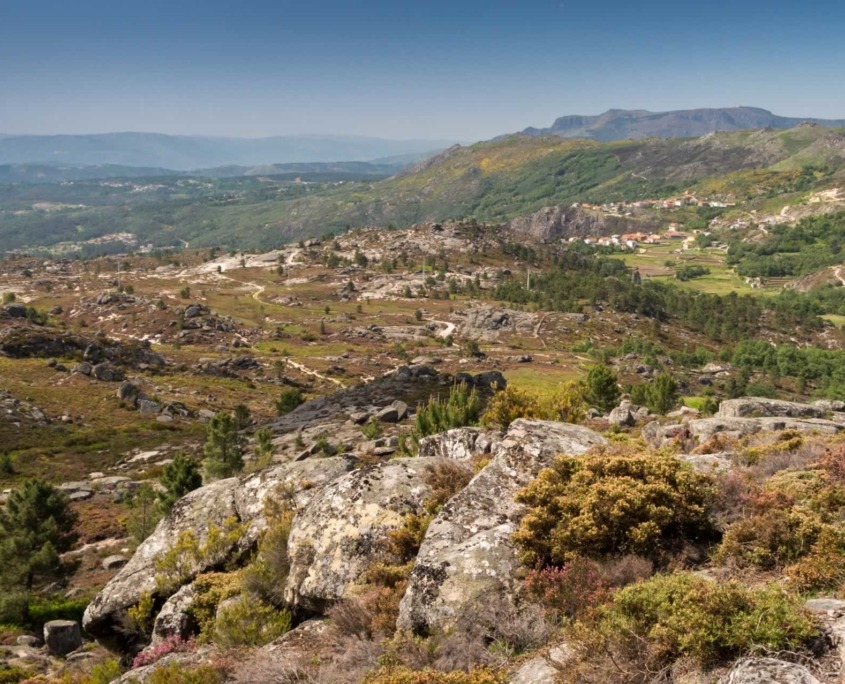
pixel 466 568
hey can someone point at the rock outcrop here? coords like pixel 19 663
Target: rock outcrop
pixel 467 552
pixel 239 500
pixel 333 539
pixel 768 671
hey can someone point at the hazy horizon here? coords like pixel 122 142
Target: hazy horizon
pixel 403 70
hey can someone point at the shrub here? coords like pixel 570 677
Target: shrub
pixel 670 616
pixel 566 404
pixel 794 516
pixel 12 674
pixel 600 505
pixel 266 576
pixel 152 654
pixel 188 555
pixel 210 590
pixel 175 673
pixel 143 514
pixel 567 591
pixel 446 478
pixel 402 675
pixel 249 622
pixel 660 395
pixel 372 430
pixel 289 399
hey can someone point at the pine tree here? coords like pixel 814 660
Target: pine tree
pixel 179 477
pixel 35 527
pixel 223 447
pixel 602 388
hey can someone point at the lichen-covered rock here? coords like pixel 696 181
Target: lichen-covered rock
pixel 301 480
pixel 239 499
pixel 211 504
pixel 174 620
pixel 332 540
pixel 622 415
pixel 460 444
pixel 768 671
pixel 758 407
pixel 467 552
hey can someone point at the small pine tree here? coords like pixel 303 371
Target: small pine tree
pixel 263 447
pixel 36 525
pixel 144 514
pixel 462 407
pixel 242 416
pixel 223 447
pixel 288 400
pixel 602 388
pixel 180 476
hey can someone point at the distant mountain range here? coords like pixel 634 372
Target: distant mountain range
pixel 184 153
pixel 48 173
pixel 623 124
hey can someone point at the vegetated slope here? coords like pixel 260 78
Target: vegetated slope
pixel 620 124
pixel 192 152
pixel 509 177
pixel 46 173
pixel 492 181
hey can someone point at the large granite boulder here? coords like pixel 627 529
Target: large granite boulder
pixel 460 444
pixel 467 553
pixel 768 671
pixel 333 539
pixel 758 407
pixel 239 500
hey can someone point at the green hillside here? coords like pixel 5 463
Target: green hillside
pixel 490 181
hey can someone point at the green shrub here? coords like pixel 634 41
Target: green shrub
pixel 566 404
pixel 188 555
pixel 12 674
pixel 210 590
pixel 174 673
pixel 266 576
pixel 660 395
pixel 601 505
pixel 288 400
pixel 249 622
pixel 670 616
pixel 402 675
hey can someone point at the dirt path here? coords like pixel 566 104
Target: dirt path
pixel 838 274
pixel 309 371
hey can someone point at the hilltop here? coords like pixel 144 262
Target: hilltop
pixel 621 124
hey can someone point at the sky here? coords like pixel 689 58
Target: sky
pixel 463 70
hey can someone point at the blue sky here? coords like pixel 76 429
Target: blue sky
pixel 463 70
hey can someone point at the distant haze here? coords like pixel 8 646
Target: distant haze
pixel 188 153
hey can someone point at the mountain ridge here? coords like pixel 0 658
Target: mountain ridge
pixel 622 124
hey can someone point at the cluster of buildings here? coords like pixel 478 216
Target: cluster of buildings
pixel 634 240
